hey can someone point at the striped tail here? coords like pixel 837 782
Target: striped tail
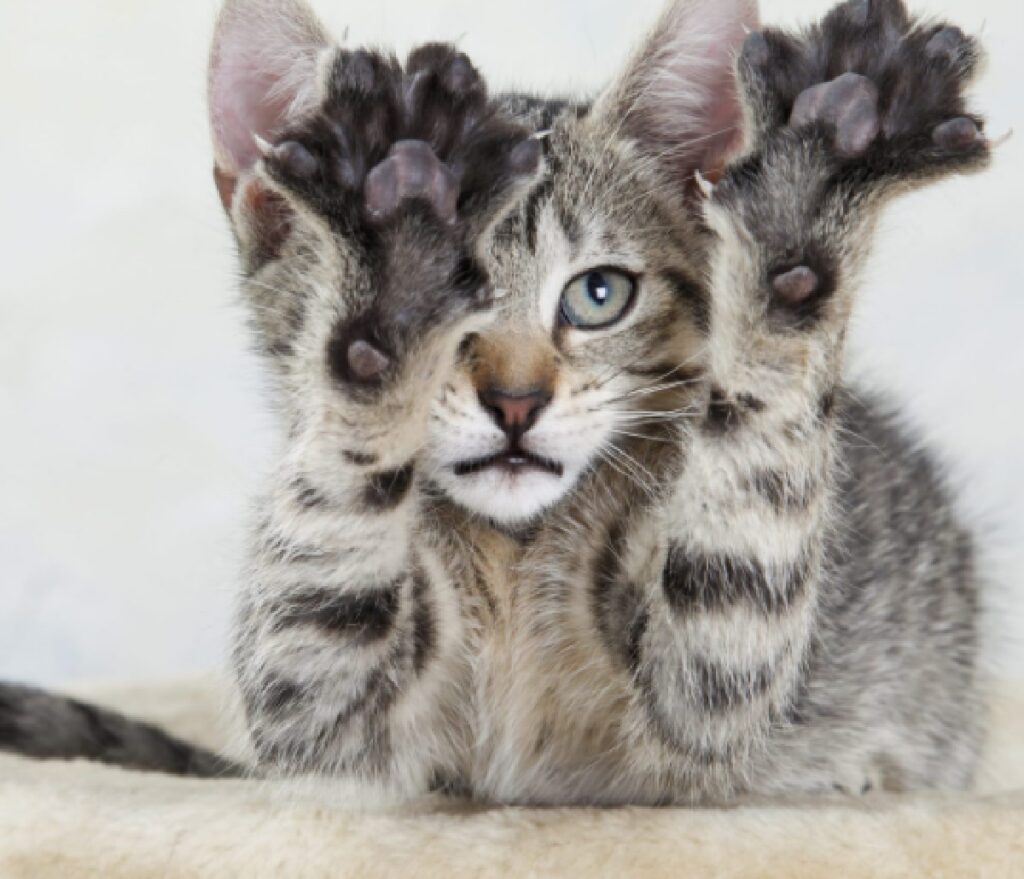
pixel 44 726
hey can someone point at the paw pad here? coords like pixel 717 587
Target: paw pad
pixel 870 84
pixel 849 105
pixel 460 76
pixel 524 159
pixel 294 158
pixel 948 43
pixel 957 134
pixel 387 136
pixel 797 285
pixel 366 362
pixel 360 72
pixel 756 51
pixel 411 171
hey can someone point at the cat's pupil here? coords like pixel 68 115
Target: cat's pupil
pixel 598 288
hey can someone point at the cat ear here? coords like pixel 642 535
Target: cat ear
pixel 678 94
pixel 263 74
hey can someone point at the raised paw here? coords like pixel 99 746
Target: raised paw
pixel 388 135
pixel 880 88
pixel 410 164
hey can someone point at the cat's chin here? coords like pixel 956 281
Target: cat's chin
pixel 508 497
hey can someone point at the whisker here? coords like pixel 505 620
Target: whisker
pixel 641 436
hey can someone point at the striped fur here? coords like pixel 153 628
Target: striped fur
pixel 685 614
pixel 46 726
pixel 740 578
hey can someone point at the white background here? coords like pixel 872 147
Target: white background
pixel 132 433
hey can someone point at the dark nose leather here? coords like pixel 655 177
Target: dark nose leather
pixel 514 413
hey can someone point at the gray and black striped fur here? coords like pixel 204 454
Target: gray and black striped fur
pixel 727 573
pixel 45 726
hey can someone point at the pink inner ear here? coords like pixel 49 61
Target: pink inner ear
pixel 262 74
pixel 723 120
pixel 682 85
pixel 243 104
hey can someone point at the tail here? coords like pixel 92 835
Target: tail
pixel 37 724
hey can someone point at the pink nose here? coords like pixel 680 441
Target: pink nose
pixel 514 413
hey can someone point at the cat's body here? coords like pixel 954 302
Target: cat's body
pixel 539 702
pixel 621 535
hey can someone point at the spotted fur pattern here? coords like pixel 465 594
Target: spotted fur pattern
pixel 727 573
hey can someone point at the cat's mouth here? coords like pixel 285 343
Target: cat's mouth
pixel 513 460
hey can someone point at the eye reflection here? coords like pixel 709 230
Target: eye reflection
pixel 597 299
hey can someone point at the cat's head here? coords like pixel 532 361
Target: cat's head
pixel 599 268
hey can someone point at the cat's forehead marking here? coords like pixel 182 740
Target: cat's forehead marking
pixel 564 189
pixel 585 189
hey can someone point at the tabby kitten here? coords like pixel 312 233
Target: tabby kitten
pixel 573 504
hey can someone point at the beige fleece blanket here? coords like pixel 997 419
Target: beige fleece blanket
pixel 80 820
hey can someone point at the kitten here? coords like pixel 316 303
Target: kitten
pixel 573 503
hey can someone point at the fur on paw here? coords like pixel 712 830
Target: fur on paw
pixel 409 164
pixel 358 151
pixel 880 88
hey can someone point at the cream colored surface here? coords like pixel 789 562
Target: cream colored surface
pixel 64 821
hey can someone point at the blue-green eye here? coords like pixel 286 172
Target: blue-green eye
pixel 597 299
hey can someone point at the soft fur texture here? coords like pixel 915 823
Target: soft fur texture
pixel 60 820
pixel 720 570
pixel 666 556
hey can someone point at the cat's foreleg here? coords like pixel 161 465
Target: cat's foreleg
pixel 840 118
pixel 349 627
pixel 348 645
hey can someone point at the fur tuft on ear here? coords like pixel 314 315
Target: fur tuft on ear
pixel 678 94
pixel 263 75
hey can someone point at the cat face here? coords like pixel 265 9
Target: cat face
pixel 602 313
pixel 598 333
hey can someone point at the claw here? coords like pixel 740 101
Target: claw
pixel 412 92
pixel 264 147
pixel 706 187
pixel 1001 140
